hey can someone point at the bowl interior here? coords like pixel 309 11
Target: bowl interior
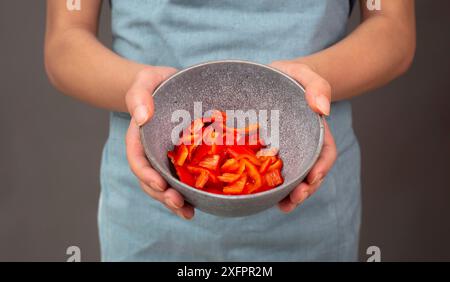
pixel 234 85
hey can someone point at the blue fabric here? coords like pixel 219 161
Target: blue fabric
pixel 181 33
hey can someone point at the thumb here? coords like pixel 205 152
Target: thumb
pixel 317 89
pixel 139 98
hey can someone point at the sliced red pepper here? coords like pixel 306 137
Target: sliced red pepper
pixel 213 149
pixel 191 150
pixel 171 156
pixel 273 178
pixel 209 140
pixel 201 180
pixel 254 147
pixel 210 162
pixel 236 187
pixel 182 154
pixel 239 153
pixel 197 170
pixel 196 126
pixel 190 139
pixel 243 168
pixel 184 175
pixel 215 116
pixel 229 177
pixel 224 115
pixel 230 165
pixel 199 154
pixel 276 165
pixel 215 139
pixel 247 130
pixel 273 159
pixel 252 171
pixel 267 152
pixel 264 166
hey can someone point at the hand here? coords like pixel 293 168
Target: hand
pixel 318 96
pixel 139 102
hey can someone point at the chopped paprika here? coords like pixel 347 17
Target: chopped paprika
pixel 202 159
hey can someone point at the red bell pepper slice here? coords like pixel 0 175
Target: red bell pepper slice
pixel 182 154
pixel 201 180
pixel 276 165
pixel 240 152
pixel 171 156
pixel 242 131
pixel 198 170
pixel 267 152
pixel 215 116
pixel 213 139
pixel 230 165
pixel 273 178
pixel 184 175
pixel 264 166
pixel 190 139
pixel 237 187
pixel 259 144
pixel 199 154
pixel 196 126
pixel 229 177
pixel 252 171
pixel 210 162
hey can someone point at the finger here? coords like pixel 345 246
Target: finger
pixel 138 162
pixel 160 197
pixel 186 212
pixel 172 200
pixel 295 198
pixel 176 201
pixel 317 89
pixel 139 98
pixel 326 158
pixel 300 193
pixel 287 205
pixel 157 195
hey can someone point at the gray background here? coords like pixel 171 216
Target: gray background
pixel 50 149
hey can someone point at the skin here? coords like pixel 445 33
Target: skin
pixel 379 50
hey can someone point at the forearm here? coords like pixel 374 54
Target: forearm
pixel 379 50
pixel 80 66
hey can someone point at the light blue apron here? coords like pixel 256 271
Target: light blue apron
pixel 180 33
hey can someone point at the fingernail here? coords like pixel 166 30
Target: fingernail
pixel 172 204
pixel 323 104
pixel 316 179
pixel 156 186
pixel 304 196
pixel 181 214
pixel 140 114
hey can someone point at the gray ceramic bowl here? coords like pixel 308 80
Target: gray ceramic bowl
pixel 236 85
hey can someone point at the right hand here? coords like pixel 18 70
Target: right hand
pixel 139 102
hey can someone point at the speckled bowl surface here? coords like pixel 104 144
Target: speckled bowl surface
pixel 236 85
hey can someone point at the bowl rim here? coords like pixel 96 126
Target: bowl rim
pixel 283 186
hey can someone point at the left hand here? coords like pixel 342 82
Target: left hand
pixel 318 96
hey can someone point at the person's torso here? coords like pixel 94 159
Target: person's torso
pixel 180 33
